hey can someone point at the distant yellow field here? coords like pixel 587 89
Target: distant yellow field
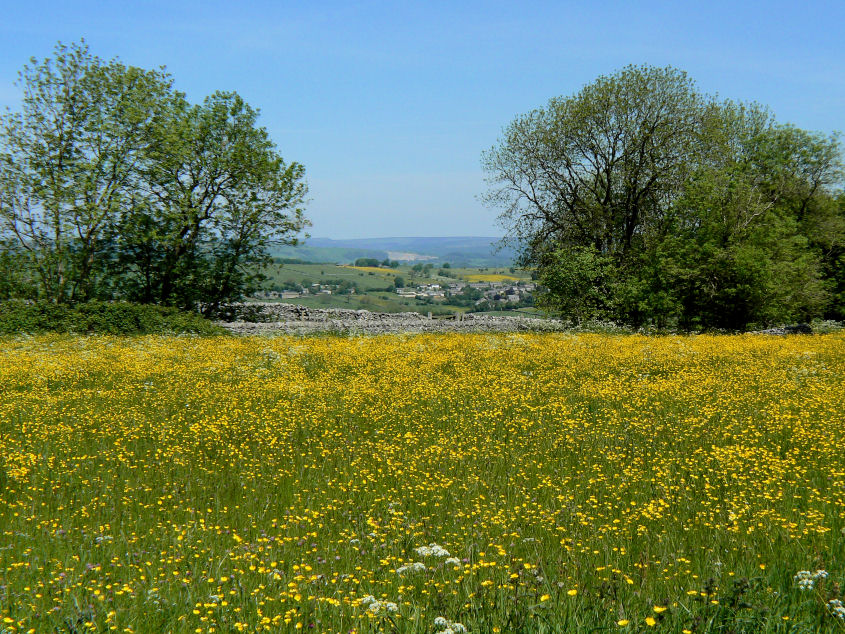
pixel 372 269
pixel 490 277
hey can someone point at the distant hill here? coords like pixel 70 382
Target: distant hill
pixel 471 251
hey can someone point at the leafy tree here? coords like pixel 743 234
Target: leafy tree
pixel 367 262
pixel 642 200
pixel 68 161
pixel 600 168
pixel 216 194
pixel 582 279
pixel 15 281
pixel 113 186
pixel 399 282
pixel 744 246
pixel 833 261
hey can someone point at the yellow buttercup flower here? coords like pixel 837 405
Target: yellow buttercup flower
pixel 274 479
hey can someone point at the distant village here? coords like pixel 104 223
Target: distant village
pixel 309 291
pixel 486 292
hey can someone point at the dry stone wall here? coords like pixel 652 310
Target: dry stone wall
pixel 270 318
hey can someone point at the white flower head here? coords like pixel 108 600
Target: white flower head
pixel 410 568
pixel 452 561
pixel 445 626
pixel 432 550
pixel 368 599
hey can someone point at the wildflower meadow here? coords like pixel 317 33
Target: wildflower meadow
pixel 422 484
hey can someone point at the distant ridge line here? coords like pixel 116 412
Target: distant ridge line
pixel 473 251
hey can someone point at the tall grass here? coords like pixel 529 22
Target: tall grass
pixel 560 483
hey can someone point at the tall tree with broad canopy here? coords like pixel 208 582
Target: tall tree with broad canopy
pixel 68 160
pixel 215 194
pixel 113 186
pixel 640 199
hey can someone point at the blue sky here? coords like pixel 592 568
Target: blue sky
pixel 390 104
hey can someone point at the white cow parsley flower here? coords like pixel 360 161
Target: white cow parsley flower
pixel 432 550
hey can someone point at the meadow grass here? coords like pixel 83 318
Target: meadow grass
pixel 558 483
pixel 307 274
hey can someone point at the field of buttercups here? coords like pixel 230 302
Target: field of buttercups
pixel 428 483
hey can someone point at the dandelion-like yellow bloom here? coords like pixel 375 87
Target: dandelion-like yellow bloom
pixel 354 483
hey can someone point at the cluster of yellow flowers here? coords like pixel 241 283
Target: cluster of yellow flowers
pixel 258 484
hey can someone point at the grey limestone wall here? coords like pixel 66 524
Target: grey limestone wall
pixel 270 318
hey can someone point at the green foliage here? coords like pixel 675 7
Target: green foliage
pixel 830 229
pixel 367 262
pixel 100 317
pixel 14 279
pixel 113 186
pixel 641 200
pixel 582 280
pixel 220 194
pixel 67 162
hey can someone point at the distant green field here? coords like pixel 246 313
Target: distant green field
pixel 307 274
pixel 370 277
pixel 372 285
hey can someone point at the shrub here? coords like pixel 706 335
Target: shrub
pixel 116 318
